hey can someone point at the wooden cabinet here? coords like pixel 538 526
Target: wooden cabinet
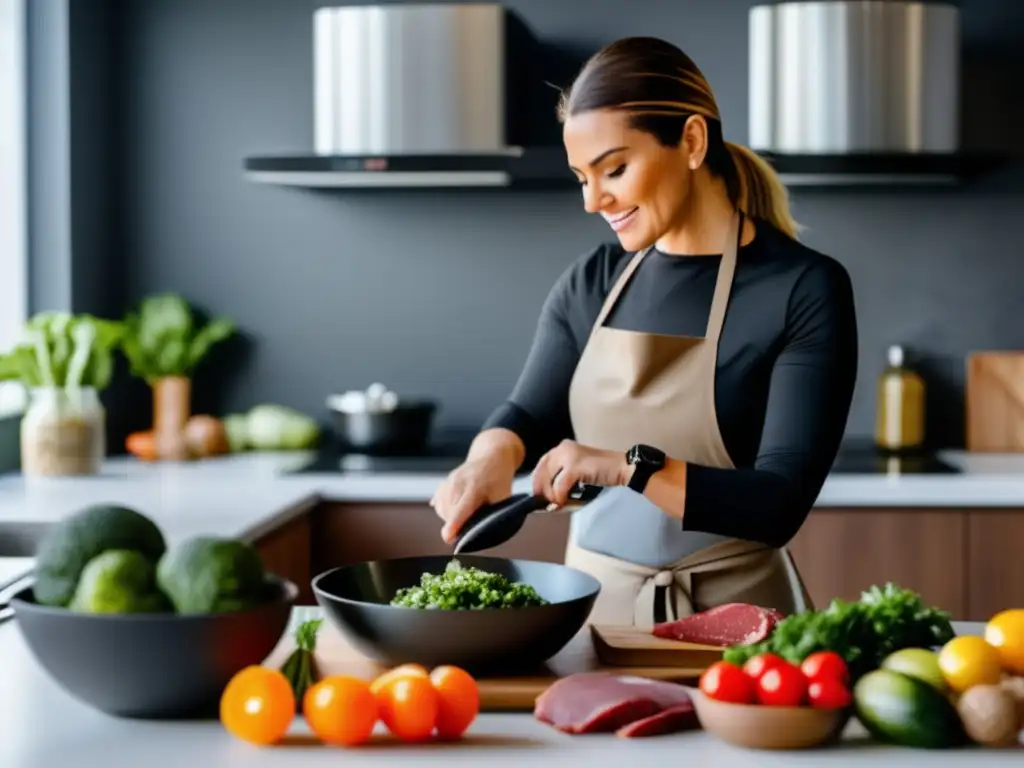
pixel 995 570
pixel 286 552
pixel 350 533
pixel 964 560
pixel 841 552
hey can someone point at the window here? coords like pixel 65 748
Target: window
pixel 13 190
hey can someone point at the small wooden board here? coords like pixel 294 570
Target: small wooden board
pixel 507 693
pixel 625 646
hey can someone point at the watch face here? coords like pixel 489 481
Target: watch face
pixel 645 454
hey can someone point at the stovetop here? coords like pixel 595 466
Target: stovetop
pixel 867 460
pixel 442 456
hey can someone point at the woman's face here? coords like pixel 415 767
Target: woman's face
pixel 639 186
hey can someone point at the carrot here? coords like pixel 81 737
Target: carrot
pixel 142 445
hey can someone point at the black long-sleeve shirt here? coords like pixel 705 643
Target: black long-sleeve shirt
pixel 787 363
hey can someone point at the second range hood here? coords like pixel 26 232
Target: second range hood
pixel 417 95
pixel 848 92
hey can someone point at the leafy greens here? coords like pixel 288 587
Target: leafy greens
pixel 163 338
pixel 64 351
pixel 885 619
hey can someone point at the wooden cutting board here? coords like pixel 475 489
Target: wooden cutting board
pixel 512 693
pixel 994 402
pixel 636 647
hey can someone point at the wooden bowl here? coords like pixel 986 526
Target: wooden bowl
pixel 755 726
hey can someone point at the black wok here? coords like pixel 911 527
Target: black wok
pixel 355 600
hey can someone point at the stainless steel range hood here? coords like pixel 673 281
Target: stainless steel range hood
pixel 420 95
pixel 856 91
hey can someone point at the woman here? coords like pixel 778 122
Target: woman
pixel 702 370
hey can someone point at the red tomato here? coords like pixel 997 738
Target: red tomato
pixel 727 682
pixel 782 686
pixel 827 693
pixel 826 664
pixel 758 665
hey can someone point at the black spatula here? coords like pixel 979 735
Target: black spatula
pixel 494 524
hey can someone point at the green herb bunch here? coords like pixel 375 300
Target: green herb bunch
pixel 163 337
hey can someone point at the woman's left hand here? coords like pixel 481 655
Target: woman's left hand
pixel 569 463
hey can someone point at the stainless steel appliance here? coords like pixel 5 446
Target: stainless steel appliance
pixel 858 92
pixel 855 76
pixel 416 94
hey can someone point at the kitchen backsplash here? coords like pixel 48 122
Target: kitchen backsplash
pixel 437 293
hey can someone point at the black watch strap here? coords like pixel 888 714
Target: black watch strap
pixel 641 474
pixel 645 461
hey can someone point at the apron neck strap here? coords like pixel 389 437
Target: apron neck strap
pixel 723 283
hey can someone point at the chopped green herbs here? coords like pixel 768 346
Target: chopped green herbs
pixel 461 588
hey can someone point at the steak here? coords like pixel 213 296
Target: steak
pixel 723 625
pixel 681 717
pixel 603 702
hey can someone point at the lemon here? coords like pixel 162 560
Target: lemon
pixel 968 661
pixel 1005 633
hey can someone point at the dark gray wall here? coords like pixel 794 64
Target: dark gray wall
pixel 438 293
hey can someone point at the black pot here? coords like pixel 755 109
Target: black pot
pixel 159 665
pixel 403 431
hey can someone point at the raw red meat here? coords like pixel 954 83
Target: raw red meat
pixel 682 717
pixel 723 625
pixel 602 702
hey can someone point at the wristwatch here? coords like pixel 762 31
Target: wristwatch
pixel 645 461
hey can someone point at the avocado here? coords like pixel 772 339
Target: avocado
pixel 208 574
pixel 71 543
pixel 119 581
pixel 903 710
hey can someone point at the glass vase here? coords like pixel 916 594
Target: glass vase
pixel 63 433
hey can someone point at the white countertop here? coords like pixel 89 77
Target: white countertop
pixel 248 487
pixel 45 728
pixel 244 495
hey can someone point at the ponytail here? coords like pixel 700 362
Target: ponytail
pixel 761 191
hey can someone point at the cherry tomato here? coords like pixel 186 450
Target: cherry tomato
pixel 782 686
pixel 257 705
pixel 408 706
pixel 405 670
pixel 828 693
pixel 758 665
pixel 723 681
pixel 826 664
pixel 458 701
pixel 340 710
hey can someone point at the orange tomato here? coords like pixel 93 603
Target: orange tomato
pixel 458 700
pixel 340 710
pixel 409 706
pixel 405 670
pixel 258 705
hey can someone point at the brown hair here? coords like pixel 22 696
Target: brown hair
pixel 661 87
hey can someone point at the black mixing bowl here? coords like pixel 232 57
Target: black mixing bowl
pixel 159 665
pixel 355 600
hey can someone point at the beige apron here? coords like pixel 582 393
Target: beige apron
pixel 630 388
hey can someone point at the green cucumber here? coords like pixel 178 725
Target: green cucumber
pixel 903 710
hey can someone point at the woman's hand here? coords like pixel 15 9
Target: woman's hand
pixel 569 463
pixel 467 488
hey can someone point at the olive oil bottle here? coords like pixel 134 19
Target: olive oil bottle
pixel 900 420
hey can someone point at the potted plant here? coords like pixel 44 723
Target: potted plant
pixel 164 343
pixel 64 362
